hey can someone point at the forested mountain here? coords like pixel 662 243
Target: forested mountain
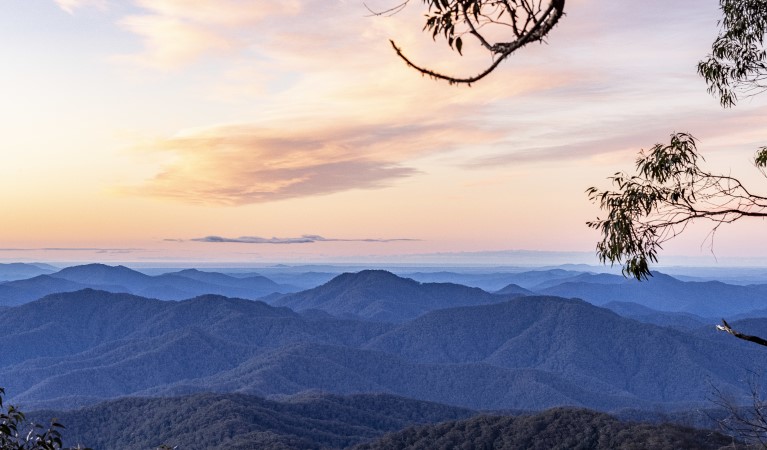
pixel 683 321
pixel 18 292
pixel 492 282
pixel 237 421
pixel 593 278
pixel 322 421
pixel 344 370
pixel 86 346
pixel 590 346
pixel 80 348
pixel 20 271
pixel 382 296
pixel 103 275
pixel 301 280
pixel 554 429
pixel 665 293
pixel 513 289
pixel 169 286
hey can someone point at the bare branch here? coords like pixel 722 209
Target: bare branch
pixel 755 339
pixel 388 12
pixel 528 20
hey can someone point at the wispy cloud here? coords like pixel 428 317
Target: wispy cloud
pixel 583 140
pixel 170 42
pixel 230 13
pixel 175 33
pixel 71 5
pixel 242 164
pixel 305 239
pixel 73 249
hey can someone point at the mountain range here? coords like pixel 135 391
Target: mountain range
pixel 179 285
pixel 664 293
pixel 402 352
pixel 382 296
pixel 20 271
pixel 413 296
pixel 75 349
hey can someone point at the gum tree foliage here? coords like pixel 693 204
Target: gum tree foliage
pixel 17 434
pixel 737 59
pixel 516 22
pixel 671 188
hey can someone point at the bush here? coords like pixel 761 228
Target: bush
pixel 17 434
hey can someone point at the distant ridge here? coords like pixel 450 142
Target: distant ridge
pixel 20 271
pixel 514 289
pixel 170 286
pixel 493 281
pixel 18 292
pixel 383 296
pixel 102 274
pixel 594 278
pixel 665 293
pixel 680 320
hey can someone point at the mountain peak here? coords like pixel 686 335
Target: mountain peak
pixel 96 274
pixel 383 296
pixel 370 276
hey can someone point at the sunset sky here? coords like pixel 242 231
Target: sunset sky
pixel 168 130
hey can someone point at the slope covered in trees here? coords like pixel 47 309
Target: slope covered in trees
pixel 382 296
pixel 315 421
pixel 665 293
pixel 236 421
pixel 529 353
pixel 554 429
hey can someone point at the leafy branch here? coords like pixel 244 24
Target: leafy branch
pixel 17 434
pixel 737 60
pixel 668 192
pixel 523 22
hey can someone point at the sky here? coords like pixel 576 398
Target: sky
pixel 251 131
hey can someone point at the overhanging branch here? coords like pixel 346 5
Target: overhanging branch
pixel 755 339
pixel 527 19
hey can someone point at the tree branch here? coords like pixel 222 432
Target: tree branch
pixel 755 339
pixel 543 21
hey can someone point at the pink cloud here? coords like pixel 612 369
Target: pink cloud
pixel 169 42
pixel 71 5
pixel 231 13
pixel 177 32
pixel 235 165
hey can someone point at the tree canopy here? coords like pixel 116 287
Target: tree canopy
pixel 737 60
pixel 671 188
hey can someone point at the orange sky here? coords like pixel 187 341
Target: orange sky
pixel 132 129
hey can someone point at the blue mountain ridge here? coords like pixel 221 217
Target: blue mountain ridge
pixel 74 349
